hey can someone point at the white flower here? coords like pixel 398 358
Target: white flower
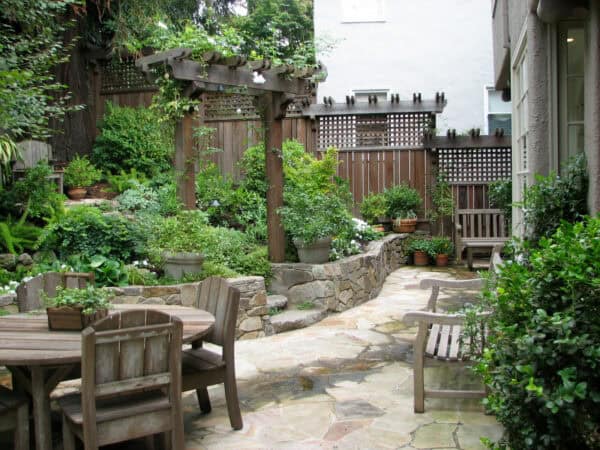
pixel 238 111
pixel 26 279
pixel 135 263
pixel 162 25
pixel 258 78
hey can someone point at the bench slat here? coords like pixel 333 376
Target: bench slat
pixel 455 342
pixel 434 334
pixel 442 352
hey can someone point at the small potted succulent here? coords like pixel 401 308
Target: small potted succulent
pixel 420 249
pixel 312 219
pixel 402 202
pixel 75 309
pixel 79 175
pixel 373 210
pixel 441 249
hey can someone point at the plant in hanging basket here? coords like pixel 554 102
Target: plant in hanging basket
pixel 75 309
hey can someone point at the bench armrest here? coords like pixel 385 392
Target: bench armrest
pixel 442 319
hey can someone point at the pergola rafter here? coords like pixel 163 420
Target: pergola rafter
pixel 274 89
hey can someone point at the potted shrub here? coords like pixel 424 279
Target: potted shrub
pixel 75 309
pixel 79 175
pixel 420 249
pixel 441 249
pixel 402 202
pixel 312 220
pixel 180 252
pixel 373 210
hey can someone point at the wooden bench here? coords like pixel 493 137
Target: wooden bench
pixel 479 229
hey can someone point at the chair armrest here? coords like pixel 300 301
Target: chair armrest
pixel 442 319
pixel 477 283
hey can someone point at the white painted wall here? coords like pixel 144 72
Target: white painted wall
pixel 421 46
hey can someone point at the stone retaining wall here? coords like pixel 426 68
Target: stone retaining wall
pixel 340 285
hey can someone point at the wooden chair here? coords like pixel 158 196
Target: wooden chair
pixel 439 338
pixel 14 414
pixel 28 292
pixel 203 368
pixel 130 381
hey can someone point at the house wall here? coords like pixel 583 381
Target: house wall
pixel 422 46
pixel 592 107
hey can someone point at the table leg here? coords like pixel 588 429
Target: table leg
pixel 41 409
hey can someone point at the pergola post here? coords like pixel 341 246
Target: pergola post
pixel 185 161
pixel 273 125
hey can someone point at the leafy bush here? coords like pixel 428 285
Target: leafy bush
pixel 500 195
pixel 350 240
pixel 122 181
pixel 441 246
pixel 85 231
pixel 420 245
pixel 33 196
pixel 81 173
pixel 133 138
pixel 401 199
pixel 555 198
pixel 91 299
pixel 139 198
pixel 542 361
pixel 16 237
pixel 373 207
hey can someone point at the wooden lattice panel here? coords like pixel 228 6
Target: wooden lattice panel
pixel 404 130
pixel 225 106
pixel 122 76
pixel 474 165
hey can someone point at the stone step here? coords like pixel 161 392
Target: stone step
pixel 295 318
pixel 277 301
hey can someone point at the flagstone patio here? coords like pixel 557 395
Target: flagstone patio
pixel 344 383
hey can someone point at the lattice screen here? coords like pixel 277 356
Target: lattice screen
pixel 229 107
pixel 364 131
pixel 474 165
pixel 123 76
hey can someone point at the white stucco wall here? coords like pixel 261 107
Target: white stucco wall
pixel 422 46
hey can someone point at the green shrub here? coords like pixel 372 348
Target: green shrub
pixel 133 138
pixel 85 231
pixel 81 173
pixel 373 207
pixel 401 200
pixel 33 196
pixel 122 181
pixel 17 237
pixel 555 198
pixel 90 298
pixel 420 245
pixel 441 246
pixel 542 361
pixel 139 198
pixel 500 195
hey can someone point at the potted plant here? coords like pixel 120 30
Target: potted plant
pixel 75 309
pixel 402 201
pixel 312 220
pixel 373 210
pixel 79 175
pixel 441 249
pixel 420 249
pixel 179 249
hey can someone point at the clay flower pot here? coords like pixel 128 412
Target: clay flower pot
pixel 405 225
pixel 441 260
pixel 420 258
pixel 179 264
pixel 76 193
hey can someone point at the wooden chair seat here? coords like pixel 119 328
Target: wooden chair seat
pixel 14 414
pixel 201 359
pixel 116 408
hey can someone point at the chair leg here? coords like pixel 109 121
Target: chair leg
pixel 22 431
pixel 203 400
pixel 419 384
pixel 68 436
pixel 233 404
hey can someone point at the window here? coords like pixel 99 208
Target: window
pixel 498 112
pixel 362 11
pixel 520 134
pixel 571 89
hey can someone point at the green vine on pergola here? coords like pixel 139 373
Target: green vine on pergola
pixel 273 88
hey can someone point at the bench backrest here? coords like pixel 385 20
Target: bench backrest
pixel 480 224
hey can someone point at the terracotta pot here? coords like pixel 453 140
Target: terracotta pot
pixel 379 227
pixel 420 258
pixel 441 260
pixel 314 253
pixel 100 190
pixel 76 193
pixel 405 225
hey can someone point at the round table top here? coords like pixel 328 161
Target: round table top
pixel 25 339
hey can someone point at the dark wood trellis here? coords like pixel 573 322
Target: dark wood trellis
pixel 276 89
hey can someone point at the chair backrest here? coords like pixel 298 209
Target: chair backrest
pixel 216 296
pixel 130 352
pixel 32 152
pixel 28 292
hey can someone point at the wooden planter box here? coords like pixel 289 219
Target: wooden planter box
pixel 72 318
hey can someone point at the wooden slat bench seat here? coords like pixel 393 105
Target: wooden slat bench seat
pixel 479 229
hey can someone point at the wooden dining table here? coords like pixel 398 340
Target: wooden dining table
pixel 39 358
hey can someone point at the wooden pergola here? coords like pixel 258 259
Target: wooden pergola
pixel 274 88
